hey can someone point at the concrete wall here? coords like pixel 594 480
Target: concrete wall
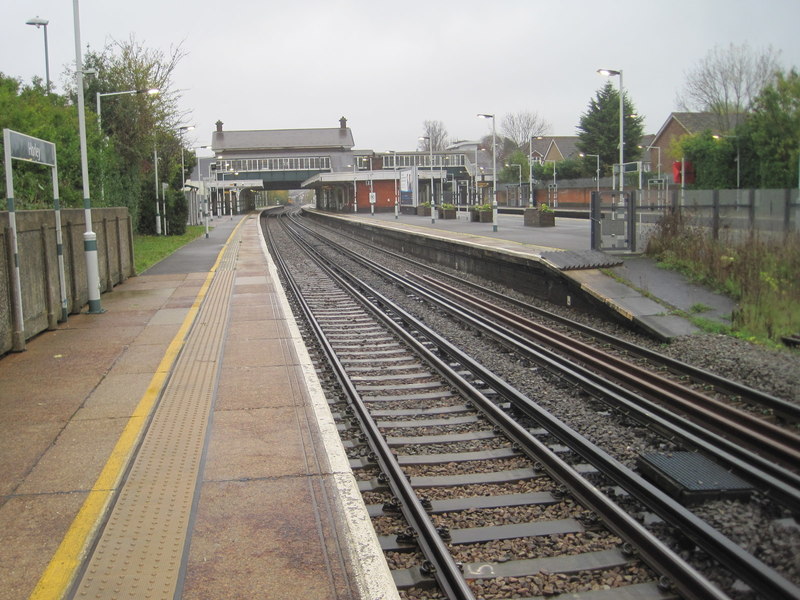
pixel 38 264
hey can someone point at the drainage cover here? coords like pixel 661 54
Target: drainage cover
pixel 690 477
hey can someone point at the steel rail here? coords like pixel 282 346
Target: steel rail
pixel 784 485
pixel 745 566
pixel 782 408
pixel 445 570
pixel 780 443
pixel 662 559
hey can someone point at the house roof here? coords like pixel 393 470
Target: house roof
pixel 333 138
pixel 697 122
pixel 556 147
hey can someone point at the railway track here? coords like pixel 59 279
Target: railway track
pixel 512 506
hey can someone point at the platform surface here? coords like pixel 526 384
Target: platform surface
pixel 179 445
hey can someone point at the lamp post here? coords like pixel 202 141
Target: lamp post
pixel 597 169
pixel 738 170
pixel 89 236
pixel 612 73
pixel 126 92
pixel 494 169
pixel 355 189
pixel 100 128
pixel 206 192
pixel 433 197
pixel 530 172
pixel 37 22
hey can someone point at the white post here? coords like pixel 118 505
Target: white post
pixel 158 215
pixel 89 237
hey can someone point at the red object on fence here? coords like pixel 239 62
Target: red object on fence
pixel 677 172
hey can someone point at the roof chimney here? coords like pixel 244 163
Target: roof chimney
pixel 219 126
pixel 343 123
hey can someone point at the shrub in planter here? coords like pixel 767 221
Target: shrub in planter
pixel 424 209
pixel 447 211
pixel 541 216
pixel 482 213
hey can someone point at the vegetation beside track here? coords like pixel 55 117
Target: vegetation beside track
pixel 150 249
pixel 760 275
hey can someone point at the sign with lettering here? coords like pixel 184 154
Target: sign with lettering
pixel 31 149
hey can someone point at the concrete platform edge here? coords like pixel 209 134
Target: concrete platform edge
pixel 373 577
pixel 619 297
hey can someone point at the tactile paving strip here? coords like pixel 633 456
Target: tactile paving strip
pixel 566 260
pixel 140 550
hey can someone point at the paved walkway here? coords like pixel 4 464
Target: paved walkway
pixel 190 414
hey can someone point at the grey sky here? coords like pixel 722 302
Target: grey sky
pixel 389 66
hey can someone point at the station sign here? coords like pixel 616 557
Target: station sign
pixel 31 149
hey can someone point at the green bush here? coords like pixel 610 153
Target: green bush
pixel 761 276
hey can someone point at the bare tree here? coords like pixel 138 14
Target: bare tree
pixel 727 81
pixel 435 136
pixel 522 126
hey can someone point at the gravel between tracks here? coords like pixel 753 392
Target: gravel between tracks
pixel 756 525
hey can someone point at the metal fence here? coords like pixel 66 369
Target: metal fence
pixel 624 221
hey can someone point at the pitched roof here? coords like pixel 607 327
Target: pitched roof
pixel 564 146
pixel 335 138
pixel 697 122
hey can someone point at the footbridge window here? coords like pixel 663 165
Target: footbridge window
pixel 300 163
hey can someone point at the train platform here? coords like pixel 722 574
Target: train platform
pixel 178 445
pixel 657 300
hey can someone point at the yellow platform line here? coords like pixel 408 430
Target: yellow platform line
pixel 60 573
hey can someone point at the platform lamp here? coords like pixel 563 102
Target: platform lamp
pixel 89 236
pixel 597 169
pixel 37 22
pixel 433 197
pixel 613 73
pixel 100 95
pixel 183 167
pixel 494 168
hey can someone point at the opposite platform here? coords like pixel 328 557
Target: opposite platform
pixel 638 290
pixel 203 375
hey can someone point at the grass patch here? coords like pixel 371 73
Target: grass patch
pixel 699 308
pixel 150 249
pixel 761 276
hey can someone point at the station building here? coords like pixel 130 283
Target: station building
pixel 248 163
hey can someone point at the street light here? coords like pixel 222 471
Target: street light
pixel 612 73
pixel 37 22
pixel 126 92
pixel 597 170
pixel 89 236
pixel 433 197
pixel 494 169
pixel 183 168
pixel 100 128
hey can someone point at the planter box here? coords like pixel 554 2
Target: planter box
pixel 485 216
pixel 447 213
pixel 474 216
pixel 423 211
pixel 536 218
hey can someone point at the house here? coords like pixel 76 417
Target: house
pixel 555 148
pixel 677 125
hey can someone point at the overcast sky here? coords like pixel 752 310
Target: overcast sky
pixel 389 66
